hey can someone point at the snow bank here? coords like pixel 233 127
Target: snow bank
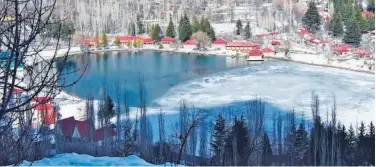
pixel 73 159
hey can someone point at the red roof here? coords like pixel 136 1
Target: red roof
pixel 148 40
pixel 342 48
pixel 314 40
pixel 304 32
pixel 99 135
pixel 83 128
pixel 361 53
pixel 124 39
pixel 67 126
pixel 17 91
pixel 85 42
pixel 274 33
pixel 324 41
pixel 367 13
pixel 241 44
pixel 275 42
pixel 44 107
pixel 267 50
pixel 219 42
pixel 167 40
pixel 190 42
pixel 41 99
pixel 254 52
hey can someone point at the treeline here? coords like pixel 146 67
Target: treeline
pixel 185 29
pixel 347 13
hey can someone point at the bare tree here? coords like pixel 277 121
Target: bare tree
pixel 201 38
pixel 189 125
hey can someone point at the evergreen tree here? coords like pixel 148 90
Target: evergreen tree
pixel 117 42
pixel 247 31
pixel 335 25
pixel 352 33
pixel 361 145
pixel 155 34
pixel 238 144
pixel 104 40
pixel 311 18
pixel 362 21
pixel 266 151
pixel 211 34
pixel 371 6
pixel 351 147
pixel 218 140
pixel 195 25
pixel 371 144
pixel 140 26
pixel 371 21
pixel 132 29
pixel 301 145
pixel 347 12
pixel 239 27
pixel 185 30
pixel 170 31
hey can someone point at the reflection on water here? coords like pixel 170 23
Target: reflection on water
pixel 160 71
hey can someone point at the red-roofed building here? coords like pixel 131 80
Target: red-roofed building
pixel 67 128
pixel 267 50
pixel 255 52
pixel 303 31
pixel 167 40
pixel 100 134
pixel 342 48
pixel 147 40
pixel 367 14
pixel 45 114
pixel 125 39
pixel 86 129
pixel 361 53
pixel 17 91
pixel 241 46
pixel 190 42
pixel 219 42
pixel 275 42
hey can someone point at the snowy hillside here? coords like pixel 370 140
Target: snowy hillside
pixel 73 159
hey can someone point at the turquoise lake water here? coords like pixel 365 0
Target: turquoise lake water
pixel 160 71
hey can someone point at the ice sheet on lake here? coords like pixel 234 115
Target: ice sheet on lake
pixel 282 84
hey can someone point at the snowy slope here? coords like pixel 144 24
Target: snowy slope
pixel 73 159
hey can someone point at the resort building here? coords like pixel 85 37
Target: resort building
pixel 167 40
pixel 241 46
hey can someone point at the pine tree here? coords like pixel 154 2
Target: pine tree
pixel 218 140
pixel 301 145
pixel 371 6
pixel 238 144
pixel 155 33
pixel 104 40
pixel 185 30
pixel 170 31
pixel 140 26
pixel 239 27
pixel 247 31
pixel 347 12
pixel 352 33
pixel 211 34
pixel 195 25
pixel 132 29
pixel 361 145
pixel 117 42
pixel 266 151
pixel 335 25
pixel 351 147
pixel 362 21
pixel 371 144
pixel 311 18
pixel 371 21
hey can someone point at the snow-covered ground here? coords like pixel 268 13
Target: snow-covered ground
pixel 73 159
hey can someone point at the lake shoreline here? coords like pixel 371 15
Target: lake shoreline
pixel 207 53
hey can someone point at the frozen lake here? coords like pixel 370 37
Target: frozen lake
pixel 211 82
